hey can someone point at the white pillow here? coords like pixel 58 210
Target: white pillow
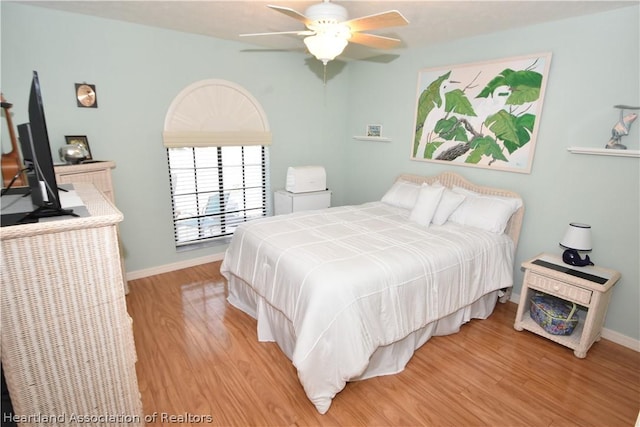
pixel 487 212
pixel 426 204
pixel 402 194
pixel 448 203
pixel 466 192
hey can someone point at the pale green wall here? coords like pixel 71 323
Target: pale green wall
pixel 138 70
pixel 591 70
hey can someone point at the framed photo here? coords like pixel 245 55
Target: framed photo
pixel 80 140
pixel 86 95
pixel 484 114
pixel 374 130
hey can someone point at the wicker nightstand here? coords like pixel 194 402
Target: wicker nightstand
pixel 588 287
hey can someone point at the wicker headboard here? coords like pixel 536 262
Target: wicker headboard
pixel 449 179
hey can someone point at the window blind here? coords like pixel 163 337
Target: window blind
pixel 216 188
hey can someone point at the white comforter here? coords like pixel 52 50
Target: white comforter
pixel 348 280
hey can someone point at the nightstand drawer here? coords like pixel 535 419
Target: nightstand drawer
pixel 557 288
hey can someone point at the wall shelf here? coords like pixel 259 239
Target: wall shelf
pixel 604 151
pixel 372 138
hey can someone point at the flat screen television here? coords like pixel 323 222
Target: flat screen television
pixel 36 154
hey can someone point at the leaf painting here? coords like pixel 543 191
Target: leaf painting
pixel 483 114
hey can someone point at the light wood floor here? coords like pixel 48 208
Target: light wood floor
pixel 197 355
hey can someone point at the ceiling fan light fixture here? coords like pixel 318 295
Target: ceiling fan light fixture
pixel 325 46
pixel 328 42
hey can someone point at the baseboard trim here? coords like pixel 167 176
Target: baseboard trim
pixel 623 340
pixel 607 334
pixel 139 274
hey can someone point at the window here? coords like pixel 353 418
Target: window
pixel 217 139
pixel 214 189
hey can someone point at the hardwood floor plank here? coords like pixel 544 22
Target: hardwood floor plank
pixel 198 355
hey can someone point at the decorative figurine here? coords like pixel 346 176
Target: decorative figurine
pixel 621 128
pixel 572 257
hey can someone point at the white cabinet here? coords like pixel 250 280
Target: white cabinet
pixel 286 202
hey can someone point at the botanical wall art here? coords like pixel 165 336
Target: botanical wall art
pixel 482 114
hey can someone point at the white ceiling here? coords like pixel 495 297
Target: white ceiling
pixel 430 21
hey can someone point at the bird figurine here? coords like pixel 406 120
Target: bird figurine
pixel 621 128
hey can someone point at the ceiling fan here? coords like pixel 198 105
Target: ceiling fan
pixel 329 30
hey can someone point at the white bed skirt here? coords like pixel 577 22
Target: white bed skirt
pixel 273 326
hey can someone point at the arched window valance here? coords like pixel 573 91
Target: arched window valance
pixel 215 113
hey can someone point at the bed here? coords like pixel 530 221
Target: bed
pixel 350 292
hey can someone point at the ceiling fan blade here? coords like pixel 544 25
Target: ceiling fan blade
pixel 372 40
pixel 391 18
pixel 275 33
pixel 291 13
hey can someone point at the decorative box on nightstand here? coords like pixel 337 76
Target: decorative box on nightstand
pixel 287 202
pixel 588 287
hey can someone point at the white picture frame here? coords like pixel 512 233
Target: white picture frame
pixel 374 131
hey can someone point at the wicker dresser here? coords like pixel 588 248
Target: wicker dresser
pixel 67 339
pixel 97 173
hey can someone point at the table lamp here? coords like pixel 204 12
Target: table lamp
pixel 577 238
